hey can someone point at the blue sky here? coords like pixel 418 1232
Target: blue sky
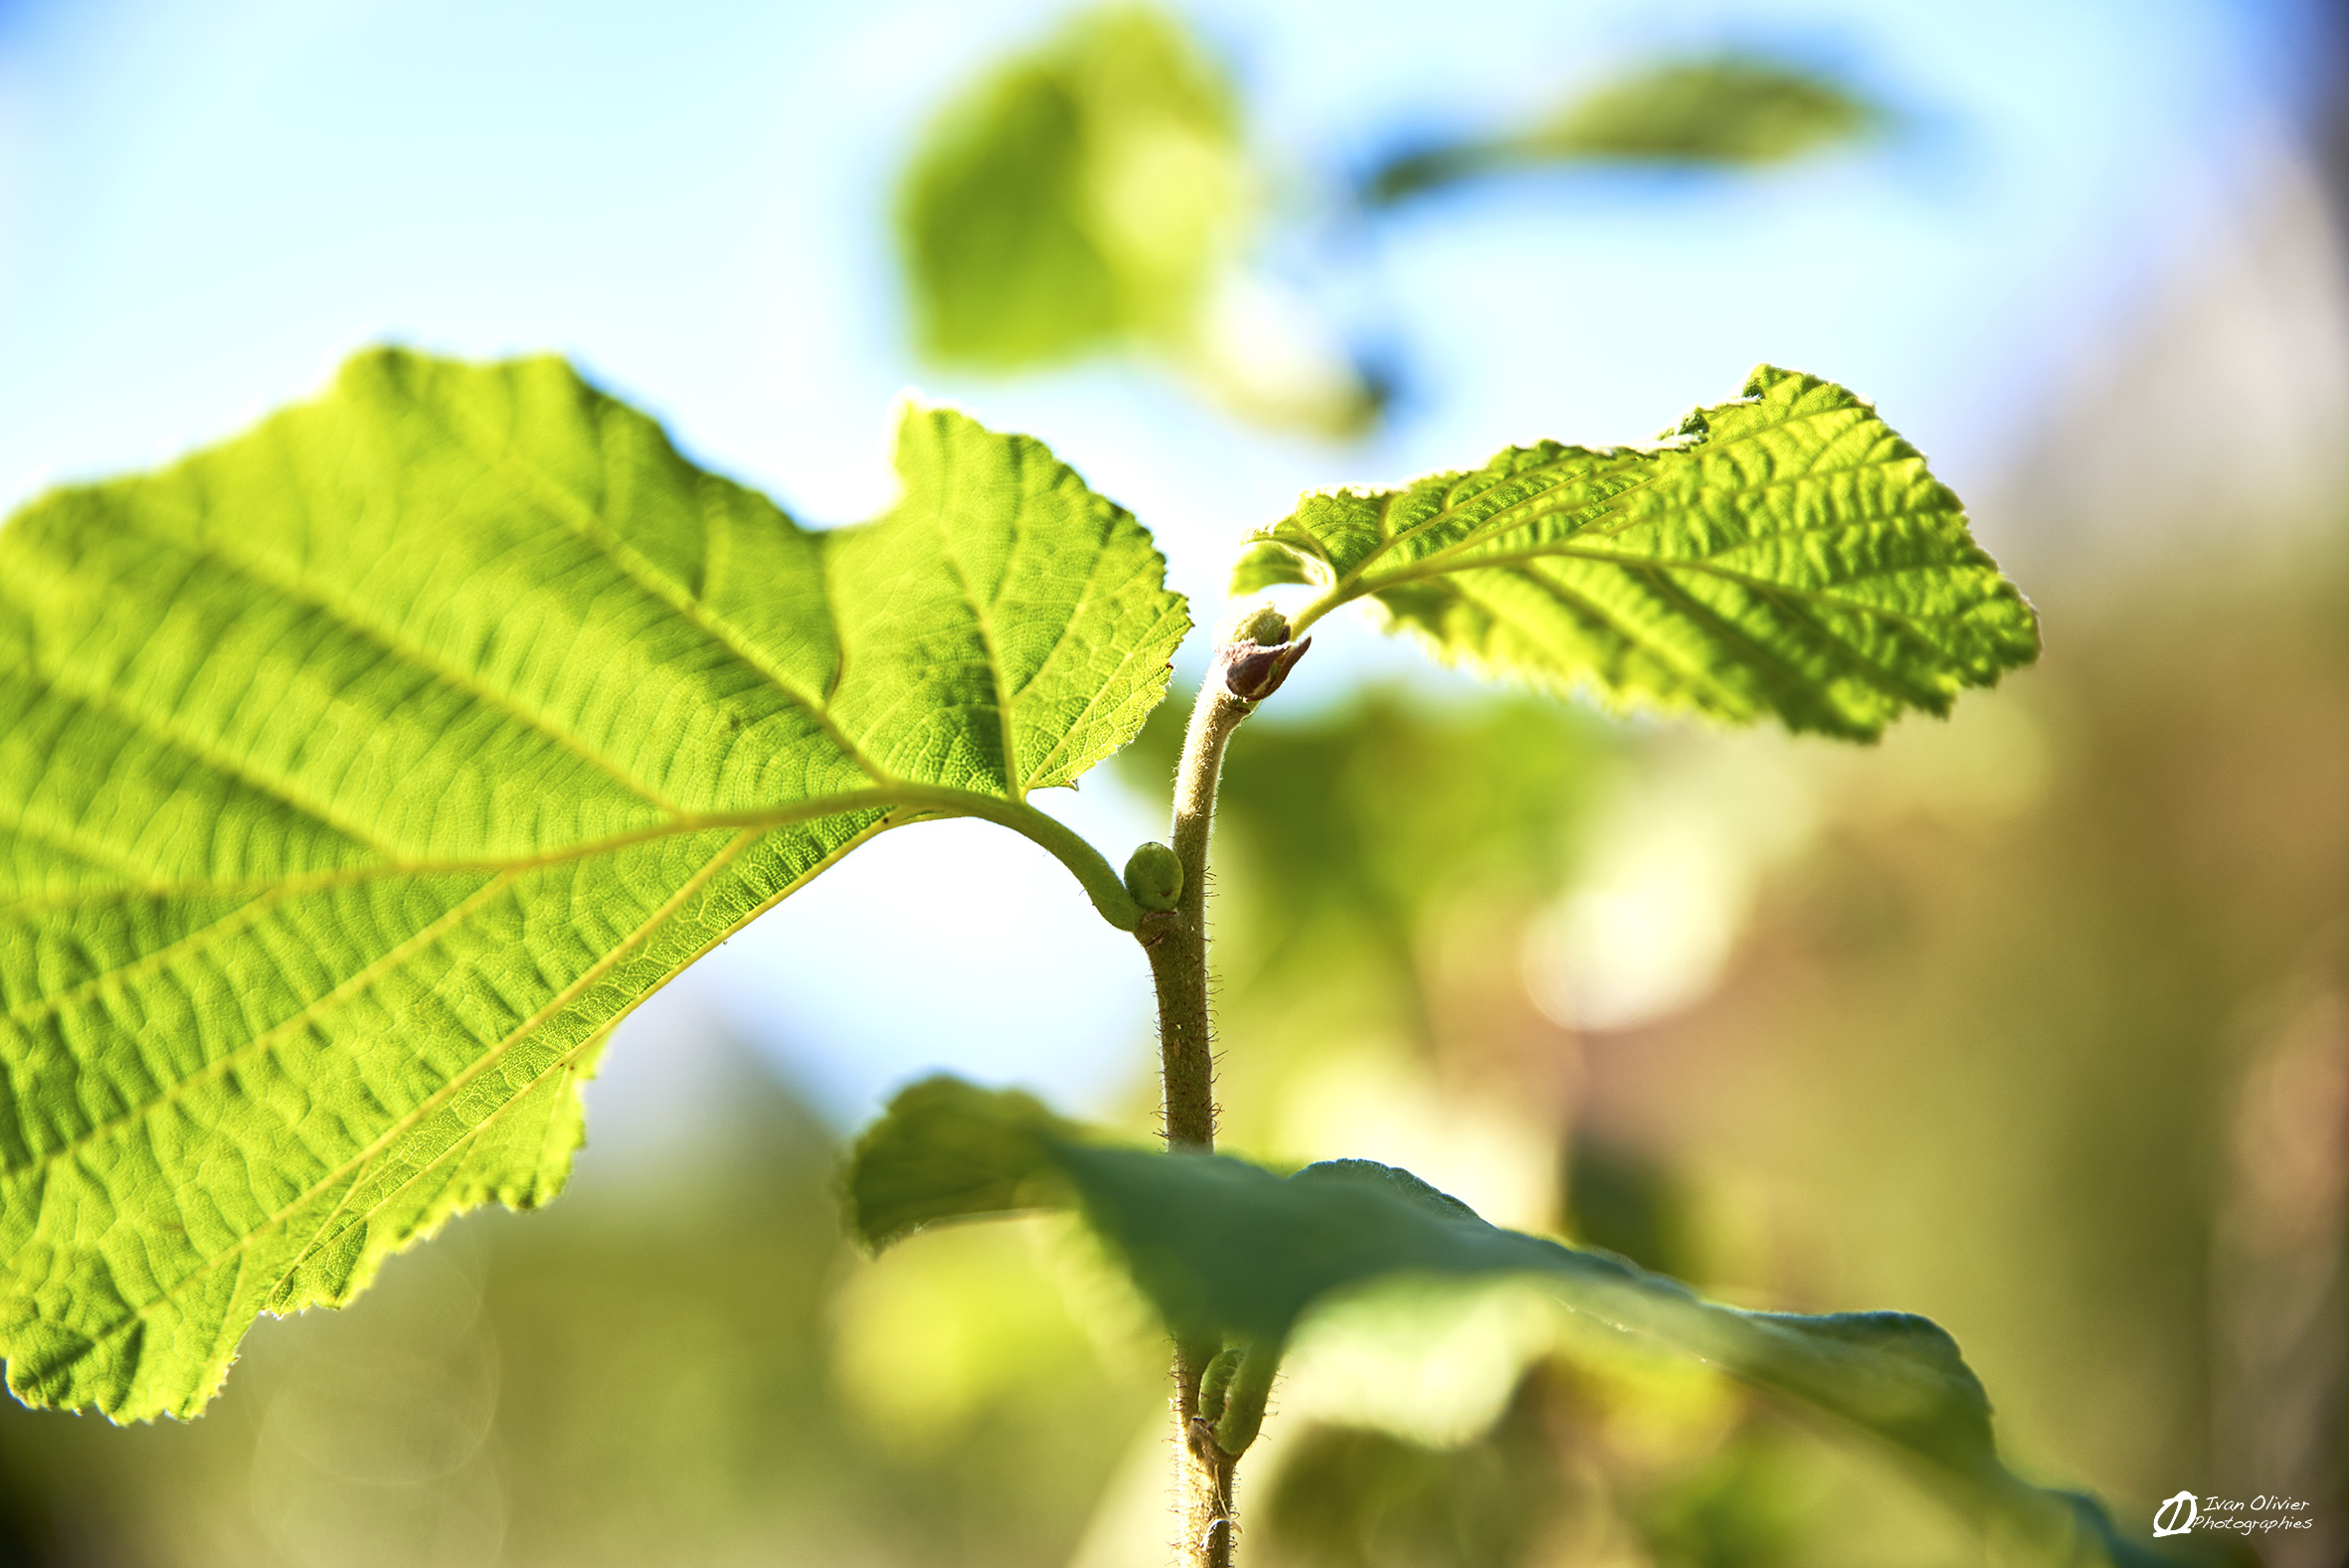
pixel 204 205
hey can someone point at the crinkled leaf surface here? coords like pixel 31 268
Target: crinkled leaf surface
pixel 1784 555
pixel 1082 193
pixel 1723 112
pixel 1224 1247
pixel 358 774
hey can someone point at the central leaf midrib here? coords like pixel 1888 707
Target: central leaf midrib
pixel 1451 511
pixel 896 793
pixel 1007 737
pixel 1495 527
pixel 924 798
pixel 931 800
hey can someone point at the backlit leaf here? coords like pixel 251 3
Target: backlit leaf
pixel 359 773
pixel 1223 1246
pixel 1785 555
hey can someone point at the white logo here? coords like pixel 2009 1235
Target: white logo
pixel 2176 1516
pixel 2264 1513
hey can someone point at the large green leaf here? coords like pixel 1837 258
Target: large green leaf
pixel 1786 553
pixel 1083 193
pixel 1732 111
pixel 1222 1247
pixel 358 774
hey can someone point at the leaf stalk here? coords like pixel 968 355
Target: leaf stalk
pixel 1092 869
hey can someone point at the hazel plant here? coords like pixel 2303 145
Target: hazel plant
pixel 360 773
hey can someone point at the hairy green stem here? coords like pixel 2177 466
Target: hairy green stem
pixel 1176 939
pixel 1242 675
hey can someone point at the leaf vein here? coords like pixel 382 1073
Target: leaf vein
pixel 343 613
pixel 220 762
pixel 554 499
pixel 194 942
pixel 356 985
pixel 431 1103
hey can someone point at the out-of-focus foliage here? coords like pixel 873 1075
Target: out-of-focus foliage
pixel 1629 1203
pixel 1734 112
pixel 1087 192
pixel 1355 1497
pixel 359 773
pixel 1341 833
pixel 1097 193
pixel 2070 986
pixel 1557 1478
pixel 1227 1249
pixel 1787 555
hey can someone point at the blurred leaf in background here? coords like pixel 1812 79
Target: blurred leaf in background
pixel 1342 830
pixel 1556 1479
pixel 1358 1497
pixel 1076 196
pixel 1729 112
pixel 1097 193
pixel 1629 1202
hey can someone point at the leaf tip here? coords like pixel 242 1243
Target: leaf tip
pixel 909 411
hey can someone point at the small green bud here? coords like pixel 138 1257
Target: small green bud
pixel 1266 627
pixel 1154 877
pixel 1215 1381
